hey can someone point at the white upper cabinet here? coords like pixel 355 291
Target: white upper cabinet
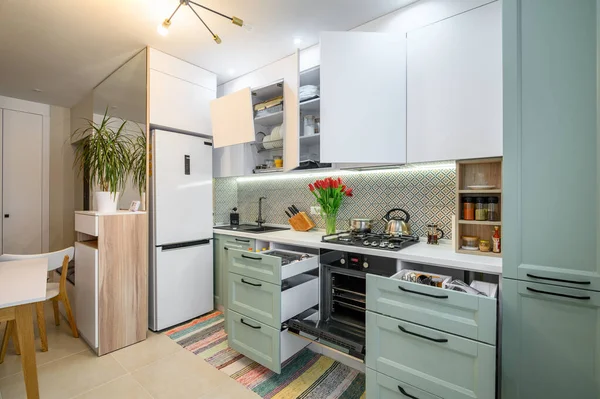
pixel 363 97
pixel 180 94
pixel 454 87
pixel 232 119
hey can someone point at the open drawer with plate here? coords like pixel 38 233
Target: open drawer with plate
pixel 273 304
pixel 465 314
pixel 271 266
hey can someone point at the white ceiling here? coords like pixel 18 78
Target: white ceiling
pixel 66 47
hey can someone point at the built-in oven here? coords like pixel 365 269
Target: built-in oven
pixel 339 321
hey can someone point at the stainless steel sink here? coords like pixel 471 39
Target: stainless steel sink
pixel 252 228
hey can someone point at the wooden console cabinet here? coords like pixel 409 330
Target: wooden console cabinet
pixel 111 278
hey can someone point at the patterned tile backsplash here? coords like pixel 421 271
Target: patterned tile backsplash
pixel 427 195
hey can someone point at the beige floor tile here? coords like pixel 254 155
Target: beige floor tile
pixel 181 375
pixel 231 390
pixel 61 343
pixel 66 377
pixel 155 347
pixel 125 387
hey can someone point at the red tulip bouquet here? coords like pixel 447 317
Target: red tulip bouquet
pixel 329 193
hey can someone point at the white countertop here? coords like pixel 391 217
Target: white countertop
pixel 121 212
pixel 23 281
pixel 442 255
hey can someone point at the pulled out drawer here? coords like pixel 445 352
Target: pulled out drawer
pixel 270 303
pixel 264 344
pixel 443 364
pixel 380 386
pixel 467 315
pixel 270 266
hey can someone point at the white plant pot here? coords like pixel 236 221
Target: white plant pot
pixel 106 201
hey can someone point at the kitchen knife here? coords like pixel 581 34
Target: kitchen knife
pixel 292 210
pixel 288 214
pixel 296 209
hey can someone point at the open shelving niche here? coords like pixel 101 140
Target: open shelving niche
pixel 265 124
pixel 466 175
pixel 310 146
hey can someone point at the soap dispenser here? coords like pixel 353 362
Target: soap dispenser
pixel 234 217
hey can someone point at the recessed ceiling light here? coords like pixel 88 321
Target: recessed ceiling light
pixel 297 40
pixel 37 90
pixel 231 71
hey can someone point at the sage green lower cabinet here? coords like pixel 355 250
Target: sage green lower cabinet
pixel 470 316
pixel 440 363
pixel 380 386
pixel 218 267
pixel 551 342
pixel 265 345
pixel 267 302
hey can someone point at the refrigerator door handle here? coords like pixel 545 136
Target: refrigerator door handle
pixel 181 245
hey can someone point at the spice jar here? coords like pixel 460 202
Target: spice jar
pixel 493 213
pixel 484 245
pixel 468 208
pixel 481 209
pixel 496 237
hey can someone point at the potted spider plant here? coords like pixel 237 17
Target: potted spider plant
pixel 138 165
pixel 102 152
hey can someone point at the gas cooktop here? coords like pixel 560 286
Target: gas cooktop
pixel 372 240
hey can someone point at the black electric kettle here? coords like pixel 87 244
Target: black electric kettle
pixel 397 225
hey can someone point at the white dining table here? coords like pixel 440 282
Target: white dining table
pixel 22 284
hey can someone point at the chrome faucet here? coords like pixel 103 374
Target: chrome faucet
pixel 260 219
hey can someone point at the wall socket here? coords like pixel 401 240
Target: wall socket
pixel 315 210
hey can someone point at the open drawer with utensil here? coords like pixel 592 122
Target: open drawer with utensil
pixel 271 266
pixel 468 315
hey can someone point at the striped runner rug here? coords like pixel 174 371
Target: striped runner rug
pixel 307 375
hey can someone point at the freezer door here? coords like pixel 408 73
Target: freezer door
pixel 183 196
pixel 183 285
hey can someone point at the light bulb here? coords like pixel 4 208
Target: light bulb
pixel 248 27
pixel 163 29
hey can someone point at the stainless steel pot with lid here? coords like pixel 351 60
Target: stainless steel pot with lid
pixel 397 225
pixel 360 225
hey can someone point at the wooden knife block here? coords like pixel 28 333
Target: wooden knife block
pixel 301 222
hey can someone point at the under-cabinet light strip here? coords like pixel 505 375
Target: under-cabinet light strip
pixel 346 172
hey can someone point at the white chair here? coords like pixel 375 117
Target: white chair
pixel 54 291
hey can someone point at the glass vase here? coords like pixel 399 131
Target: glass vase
pixel 330 221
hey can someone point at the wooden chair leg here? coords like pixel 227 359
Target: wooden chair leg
pixel 7 335
pixel 15 338
pixel 65 301
pixel 39 309
pixel 56 313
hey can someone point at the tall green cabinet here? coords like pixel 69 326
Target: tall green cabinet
pixel 551 201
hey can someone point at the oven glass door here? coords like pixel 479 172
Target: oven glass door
pixel 340 322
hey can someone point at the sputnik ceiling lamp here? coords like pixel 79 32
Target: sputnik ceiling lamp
pixel 163 29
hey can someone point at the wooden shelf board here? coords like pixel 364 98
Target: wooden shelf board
pixel 492 254
pixel 481 222
pixel 493 191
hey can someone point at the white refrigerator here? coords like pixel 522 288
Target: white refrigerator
pixel 181 207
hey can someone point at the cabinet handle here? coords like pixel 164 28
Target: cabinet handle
pixel 559 280
pixel 403 392
pixel 440 340
pixel 252 284
pixel 250 325
pixel 250 257
pixel 583 298
pixel 423 293
pixel 240 240
pixel 226 249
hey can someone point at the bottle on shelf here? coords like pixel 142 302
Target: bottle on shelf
pixel 496 239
